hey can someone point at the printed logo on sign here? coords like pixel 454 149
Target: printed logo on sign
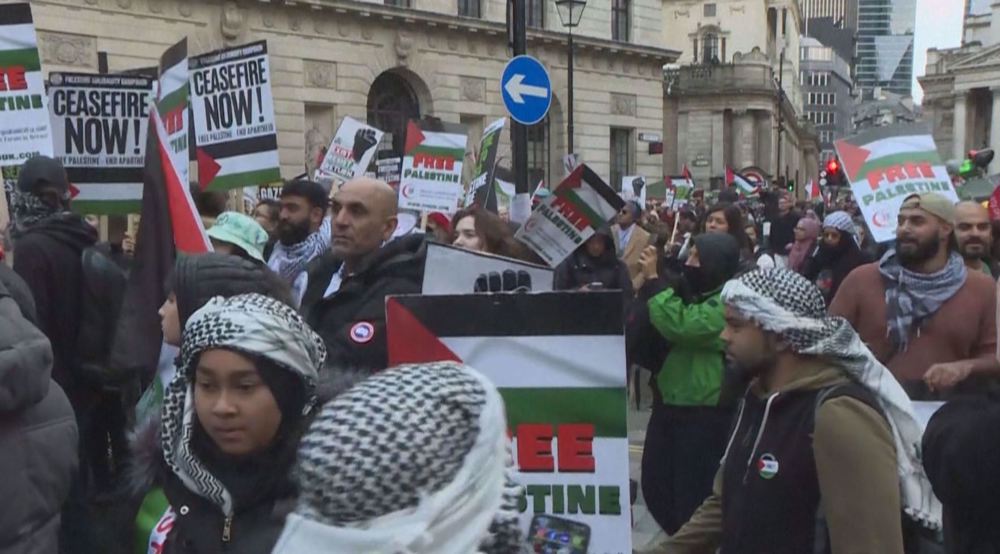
pixel 767 466
pixel 362 332
pixel 881 218
pixel 407 191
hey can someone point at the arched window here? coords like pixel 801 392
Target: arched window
pixel 391 103
pixel 710 48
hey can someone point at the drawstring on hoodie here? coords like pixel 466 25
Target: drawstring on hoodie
pixel 736 430
pixel 760 435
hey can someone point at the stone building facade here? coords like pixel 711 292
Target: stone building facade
pixel 384 60
pixel 722 101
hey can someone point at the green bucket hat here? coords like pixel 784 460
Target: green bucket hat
pixel 241 230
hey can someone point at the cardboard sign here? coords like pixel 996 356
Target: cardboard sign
pixel 350 153
pixel 581 204
pixel 558 360
pixel 887 164
pixel 24 115
pixel 99 126
pixel 452 270
pixel 431 177
pixel 485 167
pixel 233 114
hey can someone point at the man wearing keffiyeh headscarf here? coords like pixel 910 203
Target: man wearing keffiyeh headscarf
pixel 438 483
pixel 823 429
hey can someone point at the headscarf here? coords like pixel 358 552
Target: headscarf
pixel 912 298
pixel 290 261
pixel 799 250
pixel 787 304
pixel 415 459
pixel 840 221
pixel 253 325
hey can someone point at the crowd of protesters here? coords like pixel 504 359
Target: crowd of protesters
pixel 785 349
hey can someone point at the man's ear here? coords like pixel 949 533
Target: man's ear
pixel 316 216
pixel 389 227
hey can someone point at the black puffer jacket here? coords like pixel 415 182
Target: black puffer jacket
pixel 580 269
pixel 38 434
pixel 352 320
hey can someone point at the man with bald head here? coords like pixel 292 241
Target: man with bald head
pixel 974 235
pixel 345 299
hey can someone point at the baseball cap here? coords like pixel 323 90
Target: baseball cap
pixel 932 203
pixel 241 230
pixel 41 171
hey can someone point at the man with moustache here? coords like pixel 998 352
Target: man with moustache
pixel 303 233
pixel 923 314
pixel 974 235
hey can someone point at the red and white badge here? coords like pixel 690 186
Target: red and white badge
pixel 362 332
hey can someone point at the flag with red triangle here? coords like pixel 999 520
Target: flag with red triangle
pixel 560 371
pixel 813 190
pixel 995 205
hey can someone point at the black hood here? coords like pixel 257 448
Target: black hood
pixel 68 229
pixel 199 278
pixel 610 255
pixel 719 254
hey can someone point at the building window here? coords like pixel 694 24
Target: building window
pixel 469 8
pixel 695 50
pixel 538 154
pixel 710 48
pixel 398 3
pixel 620 20
pixel 536 13
pixel 709 10
pixel 391 104
pixel 621 155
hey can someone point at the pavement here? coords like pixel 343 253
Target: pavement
pixel 644 528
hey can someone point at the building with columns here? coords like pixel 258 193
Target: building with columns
pixel 723 107
pixel 962 87
pixel 384 61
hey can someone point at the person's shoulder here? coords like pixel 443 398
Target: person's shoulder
pixel 979 282
pixel 865 272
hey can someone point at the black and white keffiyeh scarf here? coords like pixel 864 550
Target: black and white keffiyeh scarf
pixel 912 298
pixel 413 460
pixel 787 304
pixel 290 261
pixel 29 210
pixel 251 324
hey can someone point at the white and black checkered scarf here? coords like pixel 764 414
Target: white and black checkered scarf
pixel 787 304
pixel 413 460
pixel 251 324
pixel 912 298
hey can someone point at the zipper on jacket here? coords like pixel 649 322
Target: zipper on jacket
pixel 227 529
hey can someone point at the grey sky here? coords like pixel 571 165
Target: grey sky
pixel 939 25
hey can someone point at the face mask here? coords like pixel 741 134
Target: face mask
pixel 695 278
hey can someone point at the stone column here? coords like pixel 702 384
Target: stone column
pixel 995 131
pixel 744 140
pixel 958 126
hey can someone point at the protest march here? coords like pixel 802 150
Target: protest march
pixel 390 341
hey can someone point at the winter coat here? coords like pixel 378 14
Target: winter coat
pixel 352 319
pixel 830 266
pixel 692 373
pixel 581 269
pixel 38 435
pixel 47 256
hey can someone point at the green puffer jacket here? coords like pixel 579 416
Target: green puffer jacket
pixel 692 373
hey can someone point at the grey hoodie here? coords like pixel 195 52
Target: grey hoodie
pixel 38 435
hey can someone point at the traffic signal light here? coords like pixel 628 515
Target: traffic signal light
pixel 791 185
pixel 831 174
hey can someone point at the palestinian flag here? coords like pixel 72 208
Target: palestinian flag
pixel 742 183
pixel 556 365
pixel 590 196
pixel 813 190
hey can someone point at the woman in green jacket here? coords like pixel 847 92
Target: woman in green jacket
pixel 687 430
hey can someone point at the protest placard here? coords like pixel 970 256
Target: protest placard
pixel 558 225
pixel 349 154
pixel 479 191
pixel 683 187
pixel 634 188
pixel 887 164
pixel 233 110
pixel 172 108
pixel 561 372
pixel 452 270
pixel 99 126
pixel 431 176
pixel 24 115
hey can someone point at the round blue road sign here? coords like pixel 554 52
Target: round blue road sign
pixel 526 90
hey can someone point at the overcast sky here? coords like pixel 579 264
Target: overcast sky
pixel 939 25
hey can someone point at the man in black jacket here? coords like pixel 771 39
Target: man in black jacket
pixel 345 298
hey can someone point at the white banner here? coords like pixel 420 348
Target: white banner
pixel 24 114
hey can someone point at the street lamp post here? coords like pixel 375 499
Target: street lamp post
pixel 570 14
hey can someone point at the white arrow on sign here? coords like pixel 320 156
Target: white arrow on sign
pixel 518 90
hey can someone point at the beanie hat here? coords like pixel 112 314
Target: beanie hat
pixel 199 278
pixel 241 230
pixel 42 171
pixel 415 459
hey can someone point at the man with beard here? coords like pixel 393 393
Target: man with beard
pixel 345 299
pixel 974 235
pixel 837 256
pixel 303 233
pixel 823 456
pixel 927 318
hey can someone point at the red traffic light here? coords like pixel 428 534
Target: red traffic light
pixel 832 166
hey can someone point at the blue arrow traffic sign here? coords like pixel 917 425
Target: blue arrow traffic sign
pixel 526 90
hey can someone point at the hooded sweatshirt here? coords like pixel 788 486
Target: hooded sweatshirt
pixel 692 372
pixel 582 269
pixel 47 256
